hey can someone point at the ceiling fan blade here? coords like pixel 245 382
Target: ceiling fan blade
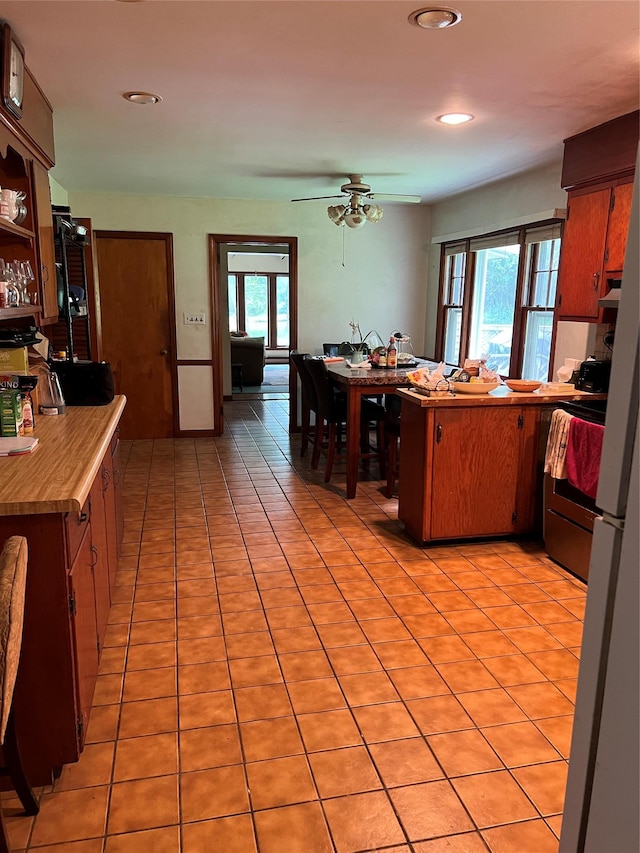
pixel 404 199
pixel 318 198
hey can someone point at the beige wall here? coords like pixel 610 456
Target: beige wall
pixel 524 198
pixel 382 283
pixel 58 193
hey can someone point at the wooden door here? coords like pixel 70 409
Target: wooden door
pixel 475 471
pixel 582 255
pixel 135 285
pixel 618 228
pixel 85 632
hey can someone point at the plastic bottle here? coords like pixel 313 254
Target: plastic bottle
pixel 392 355
pixel 382 358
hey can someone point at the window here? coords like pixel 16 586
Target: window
pixel 452 302
pixel 497 298
pixel 259 305
pixel 543 257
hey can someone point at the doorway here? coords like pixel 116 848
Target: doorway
pixel 137 316
pixel 254 282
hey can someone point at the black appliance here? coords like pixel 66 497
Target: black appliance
pixel 568 513
pixel 593 376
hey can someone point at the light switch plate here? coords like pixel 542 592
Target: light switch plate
pixel 194 319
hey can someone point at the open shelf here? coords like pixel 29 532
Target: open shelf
pixel 22 311
pixel 10 228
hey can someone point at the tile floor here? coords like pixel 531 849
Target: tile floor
pixel 286 673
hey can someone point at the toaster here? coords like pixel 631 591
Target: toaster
pixel 593 376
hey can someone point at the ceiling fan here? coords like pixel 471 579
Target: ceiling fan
pixel 358 209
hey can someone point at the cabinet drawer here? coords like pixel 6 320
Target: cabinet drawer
pixel 75 525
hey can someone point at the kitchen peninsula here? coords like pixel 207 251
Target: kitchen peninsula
pixel 471 465
pixel 64 497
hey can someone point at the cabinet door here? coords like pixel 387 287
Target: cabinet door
pixel 85 631
pixel 582 255
pixel 618 228
pixel 110 516
pixel 475 471
pixel 46 251
pixel 100 555
pixel 118 484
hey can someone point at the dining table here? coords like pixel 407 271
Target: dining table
pixel 366 382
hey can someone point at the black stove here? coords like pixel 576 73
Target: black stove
pixel 593 411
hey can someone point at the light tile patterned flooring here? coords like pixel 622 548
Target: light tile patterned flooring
pixel 285 672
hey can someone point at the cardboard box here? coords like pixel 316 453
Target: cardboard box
pixel 10 413
pixel 14 360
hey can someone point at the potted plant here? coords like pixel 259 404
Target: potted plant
pixel 361 349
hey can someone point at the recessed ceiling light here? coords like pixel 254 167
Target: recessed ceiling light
pixel 455 118
pixel 142 97
pixel 436 17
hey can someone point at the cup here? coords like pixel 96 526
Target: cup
pixel 8 204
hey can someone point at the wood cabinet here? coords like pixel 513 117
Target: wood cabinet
pixel 32 240
pixel 82 611
pixel 593 248
pixel 44 241
pixel 597 170
pixel 618 228
pixel 71 567
pixel 468 471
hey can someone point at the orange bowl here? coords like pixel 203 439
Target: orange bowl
pixel 522 384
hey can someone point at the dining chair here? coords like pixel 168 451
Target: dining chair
pixel 309 400
pixel 392 438
pixel 13 574
pixel 331 413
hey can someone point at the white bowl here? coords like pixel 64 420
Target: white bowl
pixel 474 387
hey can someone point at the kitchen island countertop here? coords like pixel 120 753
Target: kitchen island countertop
pixel 57 475
pixel 501 396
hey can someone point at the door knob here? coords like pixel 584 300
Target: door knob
pixel 164 352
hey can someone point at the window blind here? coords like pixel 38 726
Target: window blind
pixel 551 231
pixel 495 241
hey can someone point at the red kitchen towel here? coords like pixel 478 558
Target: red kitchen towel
pixel 584 448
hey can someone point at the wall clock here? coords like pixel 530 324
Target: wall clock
pixel 12 72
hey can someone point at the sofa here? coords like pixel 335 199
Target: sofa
pixel 249 353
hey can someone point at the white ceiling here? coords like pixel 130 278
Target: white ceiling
pixel 273 100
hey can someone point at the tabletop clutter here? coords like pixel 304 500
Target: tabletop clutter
pixel 20 376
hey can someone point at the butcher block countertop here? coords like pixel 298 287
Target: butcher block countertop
pixel 57 475
pixel 502 396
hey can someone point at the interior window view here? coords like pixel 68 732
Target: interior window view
pixel 259 325
pixel 319 427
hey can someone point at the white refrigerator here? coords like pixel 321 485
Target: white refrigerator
pixel 603 790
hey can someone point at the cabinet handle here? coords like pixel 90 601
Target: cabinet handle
pixel 82 517
pixel 45 273
pixel 106 479
pixel 94 552
pixel 116 476
pixel 596 281
pixel 164 352
pixel 438 433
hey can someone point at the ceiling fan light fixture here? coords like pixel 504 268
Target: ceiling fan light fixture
pixel 455 118
pixel 355 218
pixel 373 212
pixel 336 212
pixel 142 97
pixel 436 17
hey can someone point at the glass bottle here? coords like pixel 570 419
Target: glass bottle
pixel 392 354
